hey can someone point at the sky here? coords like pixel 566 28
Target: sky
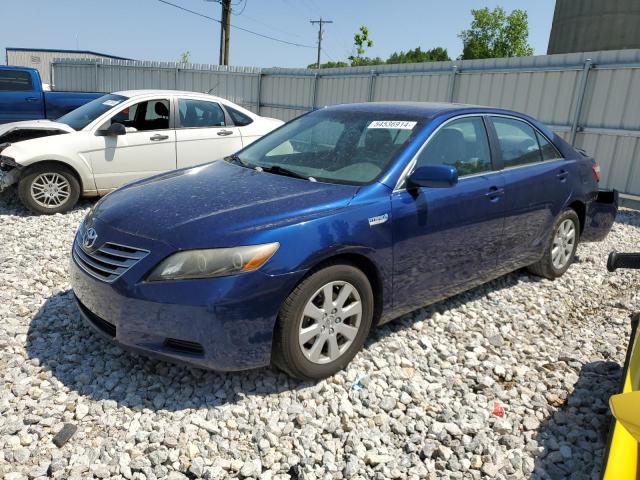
pixel 151 30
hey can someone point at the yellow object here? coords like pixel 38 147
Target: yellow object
pixel 622 459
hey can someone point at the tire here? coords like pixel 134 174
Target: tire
pixel 295 358
pixel 49 189
pixel 549 266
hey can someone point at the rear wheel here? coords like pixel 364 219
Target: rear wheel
pixel 323 323
pixel 49 189
pixel 561 248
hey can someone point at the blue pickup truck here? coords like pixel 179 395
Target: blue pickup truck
pixel 23 98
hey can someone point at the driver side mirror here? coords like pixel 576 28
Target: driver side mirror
pixel 114 130
pixel 433 176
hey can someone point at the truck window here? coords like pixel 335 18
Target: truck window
pixel 15 81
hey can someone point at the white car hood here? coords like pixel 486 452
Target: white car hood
pixel 35 125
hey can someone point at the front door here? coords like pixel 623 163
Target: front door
pixel 20 99
pixel 448 238
pixel 148 147
pixel 204 133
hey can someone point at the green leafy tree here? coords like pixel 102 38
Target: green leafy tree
pixel 494 34
pixel 362 41
pixel 416 55
pixel 330 65
pixel 185 57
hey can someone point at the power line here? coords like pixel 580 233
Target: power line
pixel 237 27
pixel 320 33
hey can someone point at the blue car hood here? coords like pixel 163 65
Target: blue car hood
pixel 213 204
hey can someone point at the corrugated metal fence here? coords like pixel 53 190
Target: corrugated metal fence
pixel 590 99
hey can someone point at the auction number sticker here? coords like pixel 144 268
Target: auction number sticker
pixel 396 124
pixel 111 103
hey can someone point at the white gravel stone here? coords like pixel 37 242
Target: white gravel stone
pixel 547 352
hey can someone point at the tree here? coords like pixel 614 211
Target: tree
pixel 362 41
pixel 494 34
pixel 185 57
pixel 416 55
pixel 329 65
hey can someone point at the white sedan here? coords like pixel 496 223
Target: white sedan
pixel 118 138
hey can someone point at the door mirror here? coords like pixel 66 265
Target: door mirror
pixel 433 176
pixel 114 130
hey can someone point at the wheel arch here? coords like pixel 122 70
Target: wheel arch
pixel 56 163
pixel 581 209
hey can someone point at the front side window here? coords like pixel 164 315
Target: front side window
pixel 462 144
pixel 334 146
pixel 144 116
pixel 15 81
pixel 200 113
pixel 518 142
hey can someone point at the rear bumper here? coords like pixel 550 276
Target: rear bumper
pixel 600 215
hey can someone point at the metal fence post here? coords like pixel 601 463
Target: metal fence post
pixel 452 82
pixel 97 77
pixel 372 84
pixel 175 77
pixel 259 99
pixel 582 90
pixel 314 97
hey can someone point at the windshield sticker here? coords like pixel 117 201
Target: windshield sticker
pixel 397 124
pixel 111 103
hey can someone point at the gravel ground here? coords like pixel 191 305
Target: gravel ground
pixel 423 400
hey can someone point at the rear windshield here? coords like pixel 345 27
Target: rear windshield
pixel 335 146
pixel 87 113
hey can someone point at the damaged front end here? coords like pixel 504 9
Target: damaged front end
pixel 10 170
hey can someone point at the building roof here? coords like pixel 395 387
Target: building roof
pixel 59 50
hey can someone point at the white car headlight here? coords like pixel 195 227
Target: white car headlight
pixel 216 262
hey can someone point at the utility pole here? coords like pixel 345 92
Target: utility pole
pixel 225 31
pixel 320 33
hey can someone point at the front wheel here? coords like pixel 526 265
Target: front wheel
pixel 323 323
pixel 562 247
pixel 49 189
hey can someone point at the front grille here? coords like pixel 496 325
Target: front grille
pixel 108 262
pixel 103 325
pixel 184 346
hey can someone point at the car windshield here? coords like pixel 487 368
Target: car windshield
pixel 87 113
pixel 333 146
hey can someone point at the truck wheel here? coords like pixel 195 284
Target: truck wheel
pixel 323 323
pixel 49 189
pixel 562 247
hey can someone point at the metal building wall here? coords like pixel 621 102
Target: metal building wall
pixel 590 99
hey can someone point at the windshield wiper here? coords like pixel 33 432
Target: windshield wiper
pixel 278 170
pixel 234 158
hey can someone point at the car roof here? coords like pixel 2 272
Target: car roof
pixel 426 110
pixel 150 92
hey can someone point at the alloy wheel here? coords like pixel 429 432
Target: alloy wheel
pixel 330 322
pixel 563 244
pixel 50 190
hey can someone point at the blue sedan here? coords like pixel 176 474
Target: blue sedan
pixel 291 250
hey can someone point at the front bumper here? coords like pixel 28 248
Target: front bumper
pixel 221 323
pixel 622 457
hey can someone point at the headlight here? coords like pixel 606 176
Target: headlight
pixel 217 262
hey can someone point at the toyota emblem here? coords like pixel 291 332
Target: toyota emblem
pixel 90 237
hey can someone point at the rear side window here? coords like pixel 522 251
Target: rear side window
pixel 200 114
pixel 462 144
pixel 549 152
pixel 239 118
pixel 518 142
pixel 11 81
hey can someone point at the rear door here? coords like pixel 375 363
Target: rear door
pixel 537 186
pixel 20 99
pixel 204 133
pixel 447 238
pixel 148 147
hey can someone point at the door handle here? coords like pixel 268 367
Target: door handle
pixel 562 175
pixel 224 133
pixel 494 193
pixel 157 137
pixel 31 99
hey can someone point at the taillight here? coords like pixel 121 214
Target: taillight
pixel 595 168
